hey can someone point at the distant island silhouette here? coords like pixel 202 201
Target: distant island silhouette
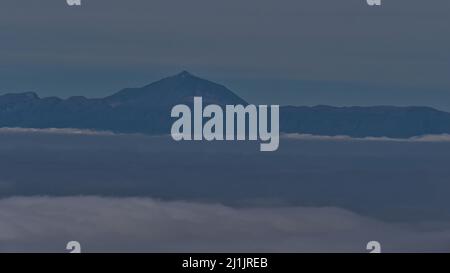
pixel 147 110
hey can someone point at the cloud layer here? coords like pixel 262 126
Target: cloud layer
pixel 57 131
pixel 424 138
pixel 88 132
pixel 46 224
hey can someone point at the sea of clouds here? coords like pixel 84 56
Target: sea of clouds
pixel 46 224
pixel 135 193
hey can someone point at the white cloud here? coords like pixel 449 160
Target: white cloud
pixel 133 224
pixel 65 131
pixel 295 136
pixel 424 138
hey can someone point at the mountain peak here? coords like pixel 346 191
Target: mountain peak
pixel 176 89
pixel 184 74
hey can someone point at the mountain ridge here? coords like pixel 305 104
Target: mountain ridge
pixel 147 110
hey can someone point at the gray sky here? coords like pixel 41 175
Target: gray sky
pixel 301 52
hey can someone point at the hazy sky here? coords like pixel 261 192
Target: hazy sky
pixel 288 51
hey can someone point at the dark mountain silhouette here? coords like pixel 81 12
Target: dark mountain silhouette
pixel 376 121
pixel 131 110
pixel 147 110
pixel 173 90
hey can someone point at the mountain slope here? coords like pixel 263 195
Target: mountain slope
pixel 376 121
pixel 147 110
pixel 180 88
